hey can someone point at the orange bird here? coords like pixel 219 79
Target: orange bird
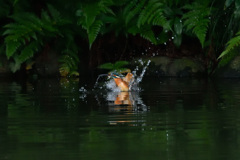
pixel 123 83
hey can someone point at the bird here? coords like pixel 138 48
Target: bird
pixel 122 83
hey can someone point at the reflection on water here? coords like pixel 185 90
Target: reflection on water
pixel 170 119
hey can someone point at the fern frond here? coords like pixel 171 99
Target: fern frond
pixel 24 36
pixel 69 63
pixel 147 33
pixel 28 51
pixel 231 44
pixel 93 31
pixel 55 14
pixel 227 57
pixel 152 14
pixel 11 48
pixel 90 17
pixel 133 9
pixel 197 20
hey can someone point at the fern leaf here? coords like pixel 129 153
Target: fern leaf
pixel 231 44
pixel 152 13
pixel 104 6
pixel 93 31
pixel 45 16
pixel 129 7
pixel 28 52
pixel 197 20
pixel 54 13
pixel 69 61
pixel 133 9
pixel 147 33
pixel 11 48
pixel 90 17
pixel 228 56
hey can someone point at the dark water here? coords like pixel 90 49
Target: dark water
pixel 182 119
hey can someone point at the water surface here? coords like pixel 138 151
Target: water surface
pixel 172 119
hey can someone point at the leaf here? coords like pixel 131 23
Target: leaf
pixel 178 26
pixel 11 48
pixel 93 31
pixel 54 13
pixel 120 64
pixel 231 44
pixel 28 52
pixel 197 20
pixel 152 14
pixel 132 9
pixel 117 66
pixel 177 40
pixel 147 33
pixel 69 60
pixel 90 17
pixel 106 66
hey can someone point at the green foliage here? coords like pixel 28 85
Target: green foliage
pixel 147 14
pixel 25 36
pixel 117 66
pixel 69 60
pixel 26 30
pixel 69 63
pixel 232 10
pixel 90 17
pixel 136 17
pixel 231 50
pixel 197 20
pixel 152 14
pixel 234 42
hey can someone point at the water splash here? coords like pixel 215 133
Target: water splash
pixel 99 76
pixel 118 100
pixel 133 84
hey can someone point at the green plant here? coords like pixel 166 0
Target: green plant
pixel 133 17
pixel 232 10
pixel 141 16
pixel 69 60
pixel 231 50
pixel 117 66
pixel 197 20
pixel 90 17
pixel 25 36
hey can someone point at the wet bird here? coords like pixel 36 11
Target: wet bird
pixel 122 83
